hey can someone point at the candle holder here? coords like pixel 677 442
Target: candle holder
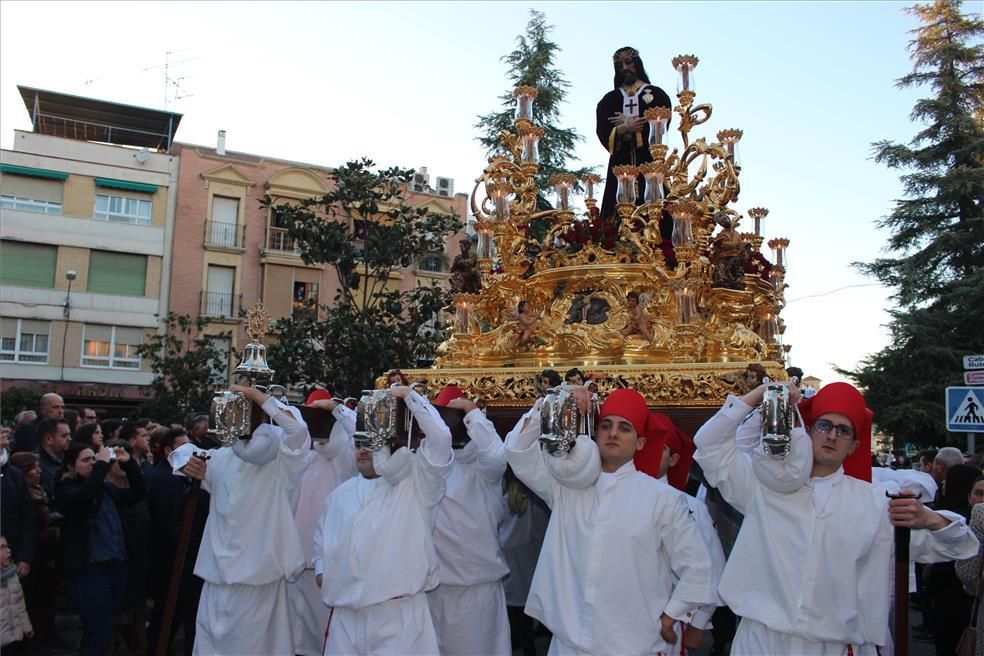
pixel 524 103
pixel 758 214
pixel 486 240
pixel 500 193
pixel 686 308
pixel 563 184
pixel 530 136
pixel 685 65
pixel 626 191
pixel 657 117
pixel 730 139
pixel 590 182
pixel 653 174
pixel 779 247
pixel 683 213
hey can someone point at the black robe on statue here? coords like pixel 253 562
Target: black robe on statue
pixel 623 148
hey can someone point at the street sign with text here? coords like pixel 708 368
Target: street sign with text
pixel 974 378
pixel 973 362
pixel 965 409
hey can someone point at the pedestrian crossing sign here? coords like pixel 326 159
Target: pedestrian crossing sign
pixel 965 409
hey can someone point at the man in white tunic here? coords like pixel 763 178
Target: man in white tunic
pixel 374 547
pixel 623 560
pixel 251 546
pixel 667 456
pixel 810 571
pixel 469 606
pixel 328 465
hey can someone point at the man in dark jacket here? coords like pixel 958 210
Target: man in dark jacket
pixel 55 438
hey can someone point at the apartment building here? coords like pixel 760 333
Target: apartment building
pixel 230 251
pixel 87 207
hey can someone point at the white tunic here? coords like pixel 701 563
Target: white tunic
pixel 374 545
pixel 617 554
pixel 814 563
pixel 329 464
pixel 702 618
pixel 469 606
pixel 250 544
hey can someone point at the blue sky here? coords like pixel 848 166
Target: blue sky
pixel 810 83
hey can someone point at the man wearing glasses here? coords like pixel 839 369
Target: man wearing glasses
pixel 810 570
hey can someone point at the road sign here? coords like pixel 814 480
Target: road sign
pixel 974 362
pixel 974 378
pixel 965 409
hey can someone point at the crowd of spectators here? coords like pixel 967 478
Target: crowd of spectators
pixel 91 517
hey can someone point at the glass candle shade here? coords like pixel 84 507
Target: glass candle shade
pixel 657 117
pixel 590 181
pixel 685 65
pixel 500 193
pixel 758 214
pixel 462 317
pixel 768 328
pixel 531 145
pixel 485 242
pixel 524 103
pixel 563 185
pixel 626 190
pixel 685 307
pixel 683 231
pixel 778 247
pixel 654 187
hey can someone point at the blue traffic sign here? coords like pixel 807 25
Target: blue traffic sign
pixel 965 409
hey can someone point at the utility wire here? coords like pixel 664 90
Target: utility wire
pixel 833 291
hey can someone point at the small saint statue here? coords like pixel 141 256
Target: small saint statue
pixel 728 256
pixel 465 277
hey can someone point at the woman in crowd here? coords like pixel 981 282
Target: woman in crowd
pixel 949 604
pixel 969 571
pixel 41 584
pixel 95 545
pixel 91 435
pixel 136 526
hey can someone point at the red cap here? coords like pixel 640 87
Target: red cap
pixel 448 394
pixel 317 395
pixel 662 432
pixel 627 403
pixel 844 399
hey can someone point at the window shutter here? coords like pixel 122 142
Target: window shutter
pixel 117 273
pixel 28 265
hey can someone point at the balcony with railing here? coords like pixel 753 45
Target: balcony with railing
pixel 278 241
pixel 224 235
pixel 220 305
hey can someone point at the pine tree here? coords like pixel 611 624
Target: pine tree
pixel 532 64
pixel 935 256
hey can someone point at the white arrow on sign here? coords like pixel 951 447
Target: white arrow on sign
pixel 974 378
pixel 973 362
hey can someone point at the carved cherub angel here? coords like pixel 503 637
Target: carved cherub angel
pixel 638 323
pixel 525 319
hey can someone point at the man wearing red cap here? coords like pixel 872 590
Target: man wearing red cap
pixel 469 606
pixel 622 561
pixel 328 465
pixel 374 549
pixel 810 571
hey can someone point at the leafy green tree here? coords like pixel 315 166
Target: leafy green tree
pixel 16 399
pixel 188 367
pixel 935 256
pixel 366 231
pixel 532 64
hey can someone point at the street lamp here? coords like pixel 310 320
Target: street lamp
pixel 70 275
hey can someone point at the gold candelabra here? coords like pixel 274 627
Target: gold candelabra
pixel 707 293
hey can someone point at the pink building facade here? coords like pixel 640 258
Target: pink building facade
pixel 230 252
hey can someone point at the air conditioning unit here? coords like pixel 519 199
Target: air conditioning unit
pixel 445 186
pixel 421 180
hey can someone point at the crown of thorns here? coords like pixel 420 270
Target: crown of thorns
pixel 624 53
